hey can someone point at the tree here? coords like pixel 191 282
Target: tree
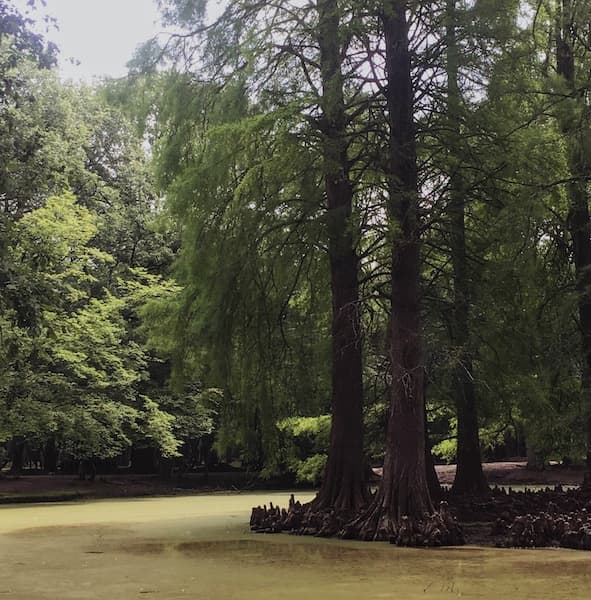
pixel 403 491
pixel 343 486
pixel 469 476
pixel 299 34
pixel 461 197
pixel 573 118
pixel 19 41
pixel 73 373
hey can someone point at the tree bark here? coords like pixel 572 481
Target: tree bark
pixel 344 486
pixel 579 225
pixel 405 483
pixel 469 476
pixel 403 491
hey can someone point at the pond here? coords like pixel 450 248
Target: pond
pixel 200 547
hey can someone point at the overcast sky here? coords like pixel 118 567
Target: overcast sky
pixel 101 34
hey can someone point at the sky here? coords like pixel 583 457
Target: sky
pixel 100 34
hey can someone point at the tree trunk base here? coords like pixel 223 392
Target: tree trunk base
pixel 478 488
pixel 437 529
pixel 299 519
pixel 506 518
pixel 551 528
pixel 440 528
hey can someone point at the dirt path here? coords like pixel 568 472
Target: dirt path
pixel 517 473
pixel 514 473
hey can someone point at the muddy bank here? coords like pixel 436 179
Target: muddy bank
pixel 47 488
pixel 58 488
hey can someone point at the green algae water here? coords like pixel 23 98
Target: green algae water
pixel 200 547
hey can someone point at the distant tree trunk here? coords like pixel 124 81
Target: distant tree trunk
pixel 535 460
pixel 17 454
pixel 166 468
pixel 50 456
pixel 86 467
pixel 403 490
pixel 578 196
pixel 344 485
pixel 469 476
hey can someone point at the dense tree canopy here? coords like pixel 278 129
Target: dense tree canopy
pixel 318 235
pixel 493 214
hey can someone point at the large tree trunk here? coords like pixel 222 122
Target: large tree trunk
pixel 403 491
pixel 579 226
pixel 578 220
pixel 344 486
pixel 405 483
pixel 469 476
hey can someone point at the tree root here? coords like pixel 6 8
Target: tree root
pixel 299 519
pixel 502 505
pixel 439 529
pixel 550 528
pixel 530 519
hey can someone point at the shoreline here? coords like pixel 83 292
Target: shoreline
pixel 38 487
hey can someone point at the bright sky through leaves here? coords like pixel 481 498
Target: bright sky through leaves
pixel 100 35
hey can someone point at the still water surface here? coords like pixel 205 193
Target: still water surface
pixel 200 547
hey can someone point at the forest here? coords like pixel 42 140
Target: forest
pixel 329 242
